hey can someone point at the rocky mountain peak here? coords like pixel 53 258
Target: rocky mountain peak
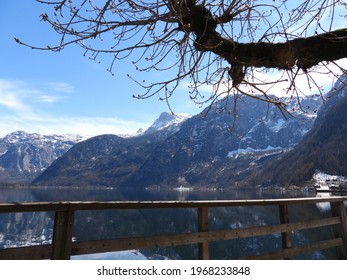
pixel 168 121
pixel 15 137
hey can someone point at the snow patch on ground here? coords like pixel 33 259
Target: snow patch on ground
pixel 276 126
pixel 248 150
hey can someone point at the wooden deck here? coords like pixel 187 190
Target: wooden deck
pixel 63 247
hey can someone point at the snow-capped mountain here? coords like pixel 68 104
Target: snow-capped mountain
pixel 200 152
pixel 323 148
pixel 168 121
pixel 24 155
pixel 196 152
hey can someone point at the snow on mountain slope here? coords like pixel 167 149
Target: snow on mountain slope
pixel 25 154
pixel 168 121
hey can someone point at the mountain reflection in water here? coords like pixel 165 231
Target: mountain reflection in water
pixel 23 229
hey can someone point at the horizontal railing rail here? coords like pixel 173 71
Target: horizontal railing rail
pixel 63 247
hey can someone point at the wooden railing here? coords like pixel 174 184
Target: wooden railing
pixel 63 247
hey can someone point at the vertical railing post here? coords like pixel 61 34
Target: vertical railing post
pixel 284 218
pixel 203 227
pixel 62 235
pixel 338 210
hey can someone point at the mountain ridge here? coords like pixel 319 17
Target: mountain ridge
pixel 24 155
pixel 169 157
pixel 323 148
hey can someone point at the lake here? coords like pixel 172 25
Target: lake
pixel 20 229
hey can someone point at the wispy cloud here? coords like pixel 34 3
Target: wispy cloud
pixel 89 125
pixel 12 97
pixel 45 98
pixel 20 110
pixel 19 95
pixel 60 87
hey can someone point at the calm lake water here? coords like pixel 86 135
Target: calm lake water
pixel 20 229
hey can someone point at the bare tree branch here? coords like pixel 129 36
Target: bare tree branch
pixel 224 44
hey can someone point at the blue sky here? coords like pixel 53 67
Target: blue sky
pixel 59 93
pixel 64 92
